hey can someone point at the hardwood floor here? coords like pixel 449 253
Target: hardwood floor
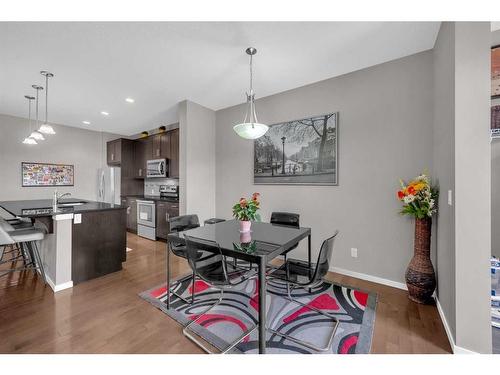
pixel 106 315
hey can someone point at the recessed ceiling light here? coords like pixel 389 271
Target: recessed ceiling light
pixel 129 100
pixel 104 113
pixel 86 122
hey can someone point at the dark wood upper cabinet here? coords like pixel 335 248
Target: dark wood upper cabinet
pixel 156 146
pixel 161 146
pixel 132 157
pixel 165 151
pixel 174 154
pixel 114 152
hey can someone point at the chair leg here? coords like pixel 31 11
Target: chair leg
pixel 192 288
pixel 302 342
pixel 188 332
pixel 38 260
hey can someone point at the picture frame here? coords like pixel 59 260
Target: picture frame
pixel 34 174
pixel 299 152
pixel 495 72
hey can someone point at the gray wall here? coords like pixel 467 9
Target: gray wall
pixel 83 148
pixel 197 150
pixel 495 177
pixel 385 134
pixel 444 167
pixel 473 185
pixel 462 164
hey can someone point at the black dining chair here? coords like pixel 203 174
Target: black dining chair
pixel 286 219
pixel 179 224
pixel 213 268
pixel 297 274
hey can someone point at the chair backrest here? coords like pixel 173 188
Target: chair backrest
pixel 324 258
pixel 285 218
pixel 184 222
pixel 206 260
pixel 5 227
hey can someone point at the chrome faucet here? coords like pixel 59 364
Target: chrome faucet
pixel 56 198
pixel 59 197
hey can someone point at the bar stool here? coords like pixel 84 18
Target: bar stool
pixel 26 239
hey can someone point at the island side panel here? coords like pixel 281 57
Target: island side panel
pixel 99 244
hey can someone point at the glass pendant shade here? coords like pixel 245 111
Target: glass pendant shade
pixel 37 136
pixel 251 131
pixel 29 141
pixel 250 128
pixel 46 129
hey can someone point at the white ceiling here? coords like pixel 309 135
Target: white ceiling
pixel 98 65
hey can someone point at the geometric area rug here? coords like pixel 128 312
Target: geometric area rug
pixel 238 312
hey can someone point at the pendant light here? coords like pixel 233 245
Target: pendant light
pixel 29 140
pixel 36 134
pixel 46 128
pixel 250 128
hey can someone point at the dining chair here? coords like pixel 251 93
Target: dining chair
pixel 286 219
pixel 220 274
pixel 26 239
pixel 179 224
pixel 297 274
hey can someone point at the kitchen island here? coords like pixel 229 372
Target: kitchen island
pixel 84 240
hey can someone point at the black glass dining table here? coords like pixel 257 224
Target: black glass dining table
pixel 262 244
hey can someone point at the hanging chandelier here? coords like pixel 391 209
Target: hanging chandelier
pixel 46 128
pixel 250 128
pixel 36 135
pixel 29 140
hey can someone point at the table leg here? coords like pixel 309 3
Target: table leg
pixel 309 258
pixel 168 276
pixel 309 254
pixel 262 306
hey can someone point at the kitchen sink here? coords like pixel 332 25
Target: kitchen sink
pixel 71 204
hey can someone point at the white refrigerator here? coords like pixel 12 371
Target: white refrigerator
pixel 108 185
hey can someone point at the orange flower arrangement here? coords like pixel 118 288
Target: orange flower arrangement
pixel 418 197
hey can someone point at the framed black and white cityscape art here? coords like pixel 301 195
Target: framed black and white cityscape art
pixel 299 152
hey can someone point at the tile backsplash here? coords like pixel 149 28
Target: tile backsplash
pixel 152 185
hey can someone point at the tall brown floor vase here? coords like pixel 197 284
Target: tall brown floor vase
pixel 420 276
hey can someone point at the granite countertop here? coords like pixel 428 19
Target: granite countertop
pixel 152 198
pixel 43 207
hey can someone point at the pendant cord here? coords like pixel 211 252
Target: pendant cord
pixel 46 97
pixel 29 114
pixel 36 111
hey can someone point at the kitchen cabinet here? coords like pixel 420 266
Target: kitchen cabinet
pixel 156 139
pixel 164 211
pixel 131 204
pixel 98 244
pixel 140 159
pixel 161 145
pixel 173 171
pixel 114 152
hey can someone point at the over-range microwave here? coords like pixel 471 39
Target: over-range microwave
pixel 157 168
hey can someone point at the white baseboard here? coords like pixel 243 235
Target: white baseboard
pixel 373 279
pixel 460 350
pixel 455 348
pixel 446 325
pixel 58 288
